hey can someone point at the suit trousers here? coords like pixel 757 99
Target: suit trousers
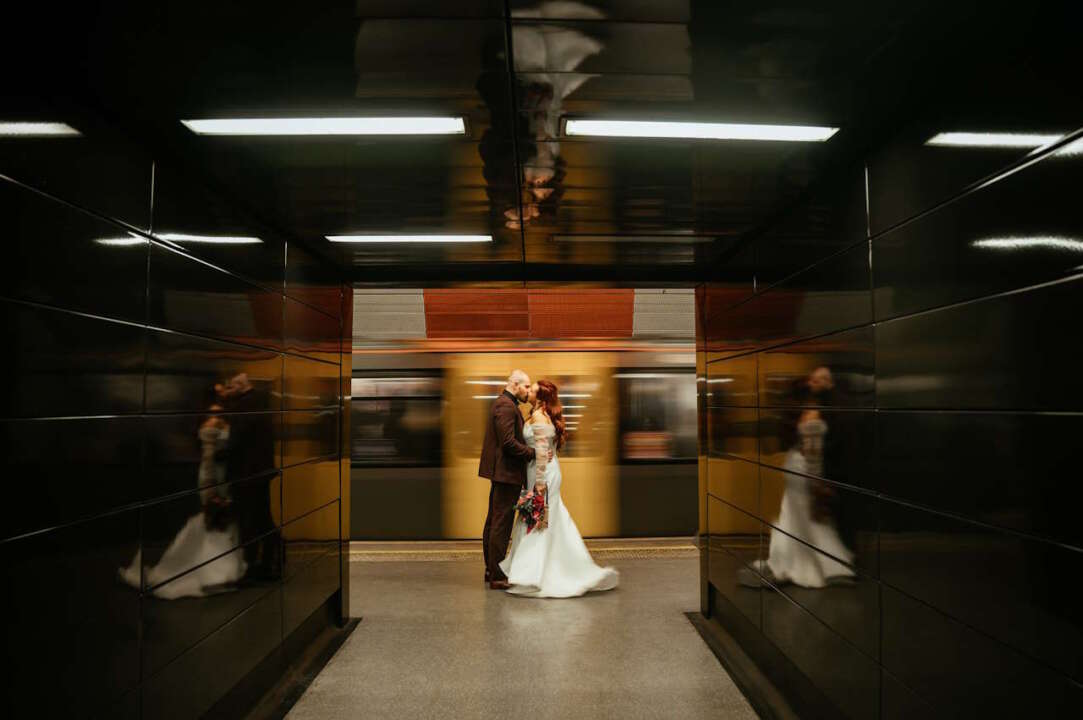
pixel 498 523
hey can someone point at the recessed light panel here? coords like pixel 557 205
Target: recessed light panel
pixel 697 130
pixel 410 238
pixel 37 130
pixel 328 126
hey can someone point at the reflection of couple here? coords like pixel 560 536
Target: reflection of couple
pixel 806 510
pixel 516 456
pixel 226 454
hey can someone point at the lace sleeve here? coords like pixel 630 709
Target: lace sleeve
pixel 541 444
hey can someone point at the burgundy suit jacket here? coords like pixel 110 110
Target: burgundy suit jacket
pixel 504 453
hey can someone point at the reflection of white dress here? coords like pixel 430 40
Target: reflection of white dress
pixel 788 559
pixel 196 543
pixel 553 562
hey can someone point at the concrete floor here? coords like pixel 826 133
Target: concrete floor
pixel 435 643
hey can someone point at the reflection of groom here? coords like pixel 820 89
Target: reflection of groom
pixel 504 458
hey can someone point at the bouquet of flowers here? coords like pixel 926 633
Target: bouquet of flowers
pixel 533 509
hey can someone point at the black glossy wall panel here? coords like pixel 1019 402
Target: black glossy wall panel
pixel 186 373
pixel 849 679
pixel 913 459
pixel 176 444
pixel 104 267
pixel 834 370
pixel 1002 469
pixel 191 684
pixel 142 431
pixel 62 364
pixel 189 530
pixel 303 593
pixel 307 487
pixel 190 296
pixel 1003 584
pixel 186 207
pixel 732 382
pixel 309 537
pixel 185 610
pixel 847 442
pixel 831 295
pixel 310 383
pixel 735 480
pixel 991 354
pixel 72 637
pixel 58 471
pixel 732 431
pixel 833 519
pixel 309 435
pixel 311 332
pixel 972 247
pixel 965 673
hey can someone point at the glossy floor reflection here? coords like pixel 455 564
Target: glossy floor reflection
pixel 435 643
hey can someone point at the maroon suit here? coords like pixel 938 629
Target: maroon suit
pixel 504 457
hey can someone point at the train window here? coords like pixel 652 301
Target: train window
pixel 657 414
pixel 396 420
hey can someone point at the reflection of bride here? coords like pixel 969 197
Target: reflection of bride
pixel 803 515
pixel 207 534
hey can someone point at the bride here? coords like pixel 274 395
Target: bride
pixel 552 562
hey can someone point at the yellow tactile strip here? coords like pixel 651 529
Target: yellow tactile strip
pixel 451 551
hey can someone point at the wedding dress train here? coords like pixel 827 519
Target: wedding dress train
pixel 553 562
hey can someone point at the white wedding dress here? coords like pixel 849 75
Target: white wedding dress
pixel 553 562
pixel 788 559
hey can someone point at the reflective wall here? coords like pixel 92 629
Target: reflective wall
pixel 888 413
pixel 170 432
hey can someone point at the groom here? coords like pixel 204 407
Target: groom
pixel 504 458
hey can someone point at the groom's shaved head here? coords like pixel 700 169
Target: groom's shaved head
pixel 519 384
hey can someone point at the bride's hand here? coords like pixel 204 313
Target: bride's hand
pixel 539 488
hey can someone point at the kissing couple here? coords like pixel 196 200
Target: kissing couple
pixel 518 457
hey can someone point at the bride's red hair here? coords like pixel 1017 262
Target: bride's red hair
pixel 549 401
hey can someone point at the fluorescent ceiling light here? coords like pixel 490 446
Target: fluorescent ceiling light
pixel 329 126
pixel 122 241
pixel 992 139
pixel 37 129
pixel 182 238
pixel 487 382
pixel 718 381
pixel 209 239
pixel 1051 242
pixel 698 130
pixel 409 238
pixel 484 397
pixel 672 238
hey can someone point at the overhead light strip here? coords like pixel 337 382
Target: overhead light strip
pixel 37 129
pixel 697 130
pixel 410 238
pixel 182 238
pixel 992 139
pixel 328 126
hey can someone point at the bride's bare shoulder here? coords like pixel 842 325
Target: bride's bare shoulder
pixel 540 417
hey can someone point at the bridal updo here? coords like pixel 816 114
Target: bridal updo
pixel 549 401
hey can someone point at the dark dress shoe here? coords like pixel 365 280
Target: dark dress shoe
pixel 499 585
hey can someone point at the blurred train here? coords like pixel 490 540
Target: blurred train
pixel 630 465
